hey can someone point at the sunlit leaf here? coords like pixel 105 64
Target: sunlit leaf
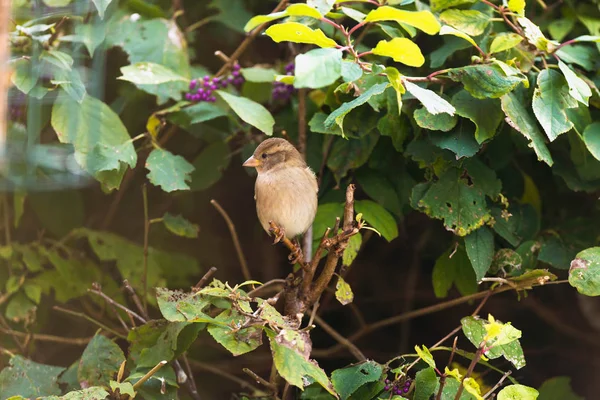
pixel 578 88
pixel 471 22
pixel 431 100
pixel 505 41
pixel 149 73
pixel 401 50
pixel 448 30
pixel 423 20
pixel 299 33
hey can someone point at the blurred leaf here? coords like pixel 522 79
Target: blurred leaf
pixel 485 81
pixel 149 73
pixel 124 388
pixel 19 307
pixel 168 171
pixel 448 30
pixel 518 392
pixel 258 74
pixel 95 393
pixel 348 380
pixel 431 100
pixel 196 113
pixel 58 220
pixel 471 22
pixel 439 5
pixel 584 273
pixel 550 101
pixel 380 189
pixel 351 71
pixel 451 386
pixel 317 68
pixel 423 20
pixel 100 361
pixel 250 112
pixel 343 291
pixel 180 226
pixel 350 154
pixel 298 33
pixel 22 76
pixel 425 383
pixel 486 114
pixel 209 165
pixel 91 35
pixel 27 378
pixel 101 6
pixel 556 253
pixel 401 50
pixel 504 41
pixel 456 269
pixel 231 13
pixel 558 388
pixel 351 251
pixel 480 249
pixel 591 138
pixel 316 124
pixel 378 217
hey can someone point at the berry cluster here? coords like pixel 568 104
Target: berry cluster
pixel 202 89
pixel 397 390
pixel 282 91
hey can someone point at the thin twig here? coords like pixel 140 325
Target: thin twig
pixel 99 292
pixel 208 367
pixel 497 385
pixel 146 233
pixel 136 299
pixel 192 385
pixel 234 237
pixel 92 320
pixel 149 374
pixel 202 282
pixel 272 282
pixel 260 380
pixel 48 338
pixel 340 339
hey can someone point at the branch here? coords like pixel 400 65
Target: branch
pixel 341 339
pixel 48 338
pixel 202 282
pixel 92 320
pixel 146 233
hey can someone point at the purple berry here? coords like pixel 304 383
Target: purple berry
pixel 188 96
pixel 193 84
pixel 200 90
pixel 230 79
pixel 405 390
pixel 236 67
pixel 224 83
pixel 407 383
pixel 206 78
pixel 235 73
pixel 212 99
pixel 386 388
pixel 214 87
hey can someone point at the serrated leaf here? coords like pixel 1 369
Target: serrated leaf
pixel 518 117
pixel 584 273
pixel 462 207
pixel 485 81
pixel 378 217
pixel 148 73
pixel 471 22
pixel 250 112
pixel 423 20
pixel 505 41
pixel 401 50
pixel 298 33
pixel 578 88
pixel 317 68
pixel 550 101
pixel 486 114
pixel 168 171
pixel 518 392
pixel 480 249
pixel 343 291
pixel 431 100
pixel 338 115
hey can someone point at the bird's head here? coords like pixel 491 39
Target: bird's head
pixel 274 153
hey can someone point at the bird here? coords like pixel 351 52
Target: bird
pixel 286 188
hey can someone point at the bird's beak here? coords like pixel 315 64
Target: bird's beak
pixel 251 162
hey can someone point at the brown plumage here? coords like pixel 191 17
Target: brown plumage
pixel 286 188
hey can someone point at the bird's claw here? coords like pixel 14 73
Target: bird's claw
pixel 295 255
pixel 278 231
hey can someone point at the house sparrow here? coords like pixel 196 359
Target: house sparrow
pixel 286 188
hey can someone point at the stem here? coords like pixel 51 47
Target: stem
pixel 495 7
pixel 474 362
pixel 335 25
pixel 202 282
pixel 497 385
pixel 146 232
pixel 365 53
pixel 149 374
pixel 92 320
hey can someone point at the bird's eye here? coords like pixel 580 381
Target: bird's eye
pixel 264 155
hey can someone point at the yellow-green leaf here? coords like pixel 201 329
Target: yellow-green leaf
pixel 299 10
pixel 517 6
pixel 395 79
pixel 401 50
pixel 343 292
pixel 423 20
pixel 425 355
pixel 298 33
pixel 472 387
pixel 505 41
pixel 448 30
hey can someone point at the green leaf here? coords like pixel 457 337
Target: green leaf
pixel 584 273
pixel 95 393
pixel 102 144
pixel 485 81
pixel 486 114
pixel 535 36
pixel 176 306
pixel 91 35
pixel 439 5
pixel 317 68
pixel 197 113
pixel 591 138
pixel 378 217
pixel 168 171
pixel 347 381
pixel 316 124
pixel 461 140
pixel 351 71
pixel 471 22
pixel 100 362
pixel 147 73
pixel 209 165
pixel 298 33
pixel 295 367
pixel 425 355
pixel 518 392
pixel 257 74
pixel 560 28
pixel 505 41
pixel 380 189
pixel 338 115
pixel 350 154
pixel 20 308
pixel 461 206
pixel 101 6
pixel 484 177
pixel 401 50
pixel 426 381
pixel 558 388
pixel 240 341
pixel 180 226
pixel 450 390
pixel 423 20
pixel 59 221
pixel 480 249
pixel 123 387
pixel 453 270
pixel 431 100
pixel 578 88
pixel 23 77
pixel 299 10
pixel 351 251
pixel 250 112
pixel 70 82
pixel 550 101
pixel 23 377
pixel 343 291
pixel 434 122
pixel 448 30
pixel 555 253
pixel 59 59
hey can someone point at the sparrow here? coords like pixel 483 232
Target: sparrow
pixel 286 188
